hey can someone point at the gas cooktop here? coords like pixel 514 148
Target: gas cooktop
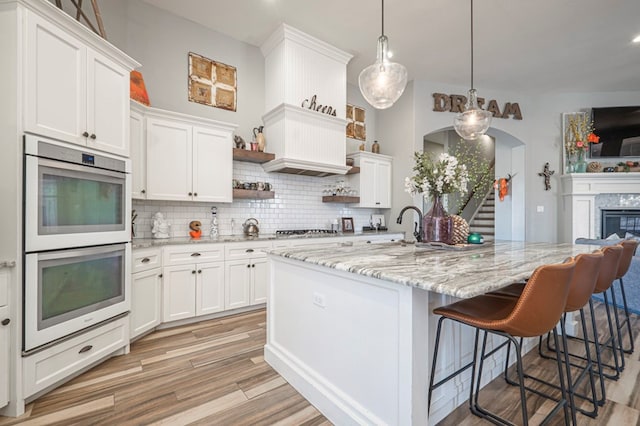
pixel 287 232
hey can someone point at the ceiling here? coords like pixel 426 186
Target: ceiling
pixel 534 45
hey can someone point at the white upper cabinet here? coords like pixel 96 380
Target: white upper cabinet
pixel 187 158
pixel 138 153
pixel 74 92
pixel 373 183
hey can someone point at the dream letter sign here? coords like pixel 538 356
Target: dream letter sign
pixel 455 103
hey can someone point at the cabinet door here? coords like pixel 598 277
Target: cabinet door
pixel 107 105
pixel 145 301
pixel 368 183
pixel 179 292
pixel 237 290
pixel 210 288
pixel 5 281
pixel 212 165
pixel 383 185
pixel 55 82
pixel 168 160
pixel 259 281
pixel 138 155
pixel 4 357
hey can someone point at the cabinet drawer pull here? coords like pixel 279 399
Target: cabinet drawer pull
pixel 6 321
pixel 160 276
pixel 145 260
pixel 248 266
pixel 377 203
pixel 195 194
pixel 368 242
pixel 196 254
pixel 199 271
pixel 85 134
pixel 249 250
pixel 190 194
pixel 85 349
pixel 253 265
pixel 144 191
pixel 193 272
pixel 93 136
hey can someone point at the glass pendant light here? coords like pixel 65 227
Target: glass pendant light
pixel 382 83
pixel 473 122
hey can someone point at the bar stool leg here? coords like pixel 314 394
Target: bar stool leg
pixel 471 364
pixel 596 343
pixel 614 305
pixel 626 320
pixel 610 343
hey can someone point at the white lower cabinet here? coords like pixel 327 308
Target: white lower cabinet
pixel 192 290
pixel 247 282
pixel 146 290
pixel 146 298
pixel 5 324
pixel 52 365
pixel 247 274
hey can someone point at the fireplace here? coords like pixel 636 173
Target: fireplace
pixel 620 221
pixel 586 195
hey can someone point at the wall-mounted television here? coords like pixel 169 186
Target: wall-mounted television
pixel 619 131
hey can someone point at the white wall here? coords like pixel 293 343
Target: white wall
pixel 539 131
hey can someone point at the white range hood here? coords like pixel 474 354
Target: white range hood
pixel 297 68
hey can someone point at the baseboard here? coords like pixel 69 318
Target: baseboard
pixel 336 406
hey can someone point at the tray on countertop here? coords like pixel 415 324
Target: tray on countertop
pixel 434 245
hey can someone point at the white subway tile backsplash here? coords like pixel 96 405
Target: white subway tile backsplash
pixel 298 204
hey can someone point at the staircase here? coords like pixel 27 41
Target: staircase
pixel 483 222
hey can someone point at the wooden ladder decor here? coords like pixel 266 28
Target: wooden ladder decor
pixel 80 14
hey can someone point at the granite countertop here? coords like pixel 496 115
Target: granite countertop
pixel 459 273
pixel 139 243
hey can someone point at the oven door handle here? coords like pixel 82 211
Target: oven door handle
pixel 79 168
pixel 82 252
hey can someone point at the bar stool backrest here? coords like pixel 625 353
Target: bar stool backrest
pixel 584 280
pixel 609 267
pixel 542 302
pixel 628 250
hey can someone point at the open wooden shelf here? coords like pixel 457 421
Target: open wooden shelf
pixel 252 156
pixel 252 194
pixel 340 199
pixel 353 170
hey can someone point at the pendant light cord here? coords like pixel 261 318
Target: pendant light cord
pixel 471 44
pixel 382 17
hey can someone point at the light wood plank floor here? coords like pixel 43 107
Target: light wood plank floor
pixel 213 373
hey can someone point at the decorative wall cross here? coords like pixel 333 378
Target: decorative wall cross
pixel 547 175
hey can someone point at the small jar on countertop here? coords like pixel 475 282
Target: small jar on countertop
pixel 375 148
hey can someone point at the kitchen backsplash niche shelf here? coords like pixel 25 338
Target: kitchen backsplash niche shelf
pixel 252 156
pixel 340 199
pixel 252 194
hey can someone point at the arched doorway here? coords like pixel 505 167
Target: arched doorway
pixel 509 155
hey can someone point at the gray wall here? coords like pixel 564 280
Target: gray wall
pixel 161 42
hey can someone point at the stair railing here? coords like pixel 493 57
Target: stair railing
pixel 477 194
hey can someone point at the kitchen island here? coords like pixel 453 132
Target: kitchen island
pixel 351 327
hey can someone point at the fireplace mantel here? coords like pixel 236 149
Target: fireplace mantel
pixel 579 191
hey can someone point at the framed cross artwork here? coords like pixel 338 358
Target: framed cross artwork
pixel 212 83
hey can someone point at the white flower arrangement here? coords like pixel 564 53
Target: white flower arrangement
pixel 435 178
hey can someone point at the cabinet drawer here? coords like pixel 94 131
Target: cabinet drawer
pixel 145 259
pixel 46 368
pixel 246 251
pixel 200 253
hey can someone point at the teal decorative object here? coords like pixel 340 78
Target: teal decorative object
pixel 475 238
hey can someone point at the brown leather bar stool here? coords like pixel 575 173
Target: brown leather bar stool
pixel 581 288
pixel 628 251
pixel 535 313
